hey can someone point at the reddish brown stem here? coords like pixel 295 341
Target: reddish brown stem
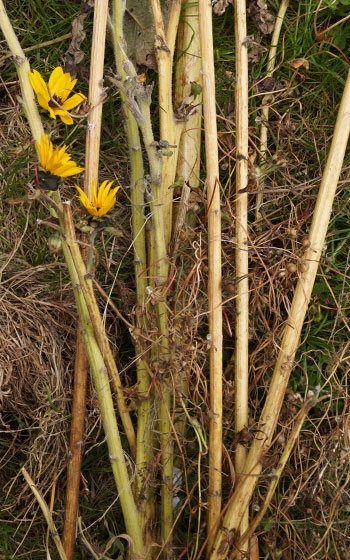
pixel 75 449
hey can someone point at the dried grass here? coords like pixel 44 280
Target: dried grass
pixel 37 341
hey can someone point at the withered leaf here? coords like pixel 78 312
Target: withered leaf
pixel 219 6
pixel 299 63
pixel 74 54
pixel 257 10
pixel 139 32
pixel 268 84
pixel 255 51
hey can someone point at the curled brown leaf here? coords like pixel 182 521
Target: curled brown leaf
pixel 257 10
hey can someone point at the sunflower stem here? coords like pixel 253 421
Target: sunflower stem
pixel 170 130
pixel 187 73
pixel 163 353
pixel 144 433
pixel 23 69
pixel 214 265
pixel 102 387
pixel 241 252
pixel 97 323
pixel 96 94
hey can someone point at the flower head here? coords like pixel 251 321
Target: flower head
pixel 54 96
pixel 56 161
pixel 100 202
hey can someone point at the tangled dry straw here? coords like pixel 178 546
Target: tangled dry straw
pixel 36 338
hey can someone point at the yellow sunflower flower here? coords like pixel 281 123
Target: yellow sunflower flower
pixel 100 203
pixel 57 161
pixel 55 93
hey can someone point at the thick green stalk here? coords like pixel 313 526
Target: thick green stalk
pixel 161 274
pixel 100 333
pixel 23 69
pixel 143 442
pixel 103 391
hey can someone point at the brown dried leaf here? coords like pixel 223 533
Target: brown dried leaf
pixel 255 51
pixel 257 10
pixel 139 32
pixel 299 63
pixel 268 84
pixel 74 54
pixel 219 6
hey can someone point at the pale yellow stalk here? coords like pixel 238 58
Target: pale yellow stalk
pixel 241 253
pixel 187 70
pixel 291 335
pixel 169 129
pixel 96 94
pixel 276 475
pixel 271 63
pixel 214 273
pixel 47 514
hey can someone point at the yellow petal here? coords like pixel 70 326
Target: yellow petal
pixel 94 197
pixel 52 113
pixel 108 206
pixel 110 200
pixel 68 87
pixel 55 79
pixel 103 192
pixel 43 100
pixel 73 101
pixel 38 84
pixel 65 88
pixel 69 171
pixel 84 199
pixel 67 119
pixel 56 161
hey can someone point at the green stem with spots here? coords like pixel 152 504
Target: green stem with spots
pixel 161 275
pixel 143 442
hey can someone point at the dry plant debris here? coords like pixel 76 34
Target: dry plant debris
pixel 263 19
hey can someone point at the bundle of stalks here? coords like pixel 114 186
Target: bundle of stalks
pixel 164 466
